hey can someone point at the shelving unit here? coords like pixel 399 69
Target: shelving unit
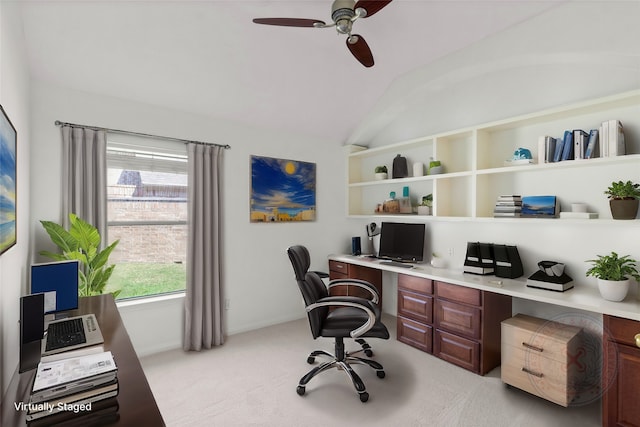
pixel 474 171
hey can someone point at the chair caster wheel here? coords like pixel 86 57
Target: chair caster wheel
pixel 369 353
pixel 300 390
pixel 364 397
pixel 310 360
pixel 381 374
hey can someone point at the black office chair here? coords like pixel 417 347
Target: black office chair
pixel 352 317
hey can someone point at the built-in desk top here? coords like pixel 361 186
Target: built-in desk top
pixel 583 296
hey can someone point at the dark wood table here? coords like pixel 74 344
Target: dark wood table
pixel 136 404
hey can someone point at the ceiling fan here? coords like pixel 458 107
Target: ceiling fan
pixel 343 13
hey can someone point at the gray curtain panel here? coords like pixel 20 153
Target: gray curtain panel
pixel 203 306
pixel 84 177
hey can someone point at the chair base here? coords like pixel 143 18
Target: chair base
pixel 342 360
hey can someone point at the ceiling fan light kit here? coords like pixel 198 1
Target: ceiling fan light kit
pixel 343 14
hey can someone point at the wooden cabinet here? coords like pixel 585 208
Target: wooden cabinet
pixel 467 326
pixel 415 312
pixel 343 270
pixel 621 372
pixel 537 357
pixel 475 172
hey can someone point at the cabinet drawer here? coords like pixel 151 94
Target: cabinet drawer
pixel 621 330
pixel 457 350
pixel 339 267
pixel 415 284
pixel 540 337
pixel 459 293
pixel 415 334
pixel 458 318
pixel 416 306
pixel 549 379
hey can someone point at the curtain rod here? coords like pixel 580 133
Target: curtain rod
pixel 146 135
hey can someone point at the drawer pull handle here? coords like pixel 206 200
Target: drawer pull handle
pixel 535 374
pixel 534 348
pixel 637 338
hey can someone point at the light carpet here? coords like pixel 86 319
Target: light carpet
pixel 251 381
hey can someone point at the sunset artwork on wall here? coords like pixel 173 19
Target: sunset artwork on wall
pixel 282 190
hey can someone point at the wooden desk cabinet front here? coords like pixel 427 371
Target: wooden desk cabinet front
pixel 457 324
pixel 621 372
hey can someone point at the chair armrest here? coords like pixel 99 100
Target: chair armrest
pixel 355 302
pixel 359 283
pixel 321 274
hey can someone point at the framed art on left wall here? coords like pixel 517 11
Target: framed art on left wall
pixel 8 171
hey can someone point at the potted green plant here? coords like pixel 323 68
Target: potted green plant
pixel 623 199
pixel 82 242
pixel 435 167
pixel 381 172
pixel 614 275
pixel 424 208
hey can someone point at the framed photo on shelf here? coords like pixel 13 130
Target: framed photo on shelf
pixel 8 143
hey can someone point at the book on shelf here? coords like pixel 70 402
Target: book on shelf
pixel 557 152
pixel 507 209
pixel 580 141
pixel 541 280
pixel 578 215
pixel 506 214
pixel 591 152
pixel 510 197
pixel 604 138
pixel 567 146
pixel 616 138
pixel 546 148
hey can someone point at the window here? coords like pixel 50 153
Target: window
pixel 147 211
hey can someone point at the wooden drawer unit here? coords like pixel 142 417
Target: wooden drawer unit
pixel 537 357
pixel 467 326
pixel 457 350
pixel 344 270
pixel 621 372
pixel 415 311
pixel 416 334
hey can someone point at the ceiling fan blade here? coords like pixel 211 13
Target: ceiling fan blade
pixel 371 6
pixel 360 49
pixel 288 22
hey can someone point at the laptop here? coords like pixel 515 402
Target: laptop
pixel 70 334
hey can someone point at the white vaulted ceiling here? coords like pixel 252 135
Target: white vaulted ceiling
pixel 208 57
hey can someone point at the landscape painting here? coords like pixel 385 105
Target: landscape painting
pixel 540 206
pixel 7 182
pixel 282 190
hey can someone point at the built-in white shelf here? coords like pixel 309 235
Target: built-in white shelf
pixel 474 164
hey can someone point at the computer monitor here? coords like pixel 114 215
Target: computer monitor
pixel 402 242
pixel 59 282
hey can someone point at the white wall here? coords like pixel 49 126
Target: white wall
pixel 258 279
pixel 542 63
pixel 14 97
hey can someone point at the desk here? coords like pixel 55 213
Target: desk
pixel 583 296
pixel 137 406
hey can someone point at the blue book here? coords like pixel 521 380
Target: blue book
pixel 567 145
pixel 592 146
pixel 557 154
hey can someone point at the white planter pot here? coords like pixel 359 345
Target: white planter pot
pixel 613 290
pixel 424 210
pixel 381 175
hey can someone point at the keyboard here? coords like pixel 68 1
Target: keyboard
pixel 397 264
pixel 64 334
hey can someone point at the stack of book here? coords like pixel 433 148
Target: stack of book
pixel 79 389
pixel 508 206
